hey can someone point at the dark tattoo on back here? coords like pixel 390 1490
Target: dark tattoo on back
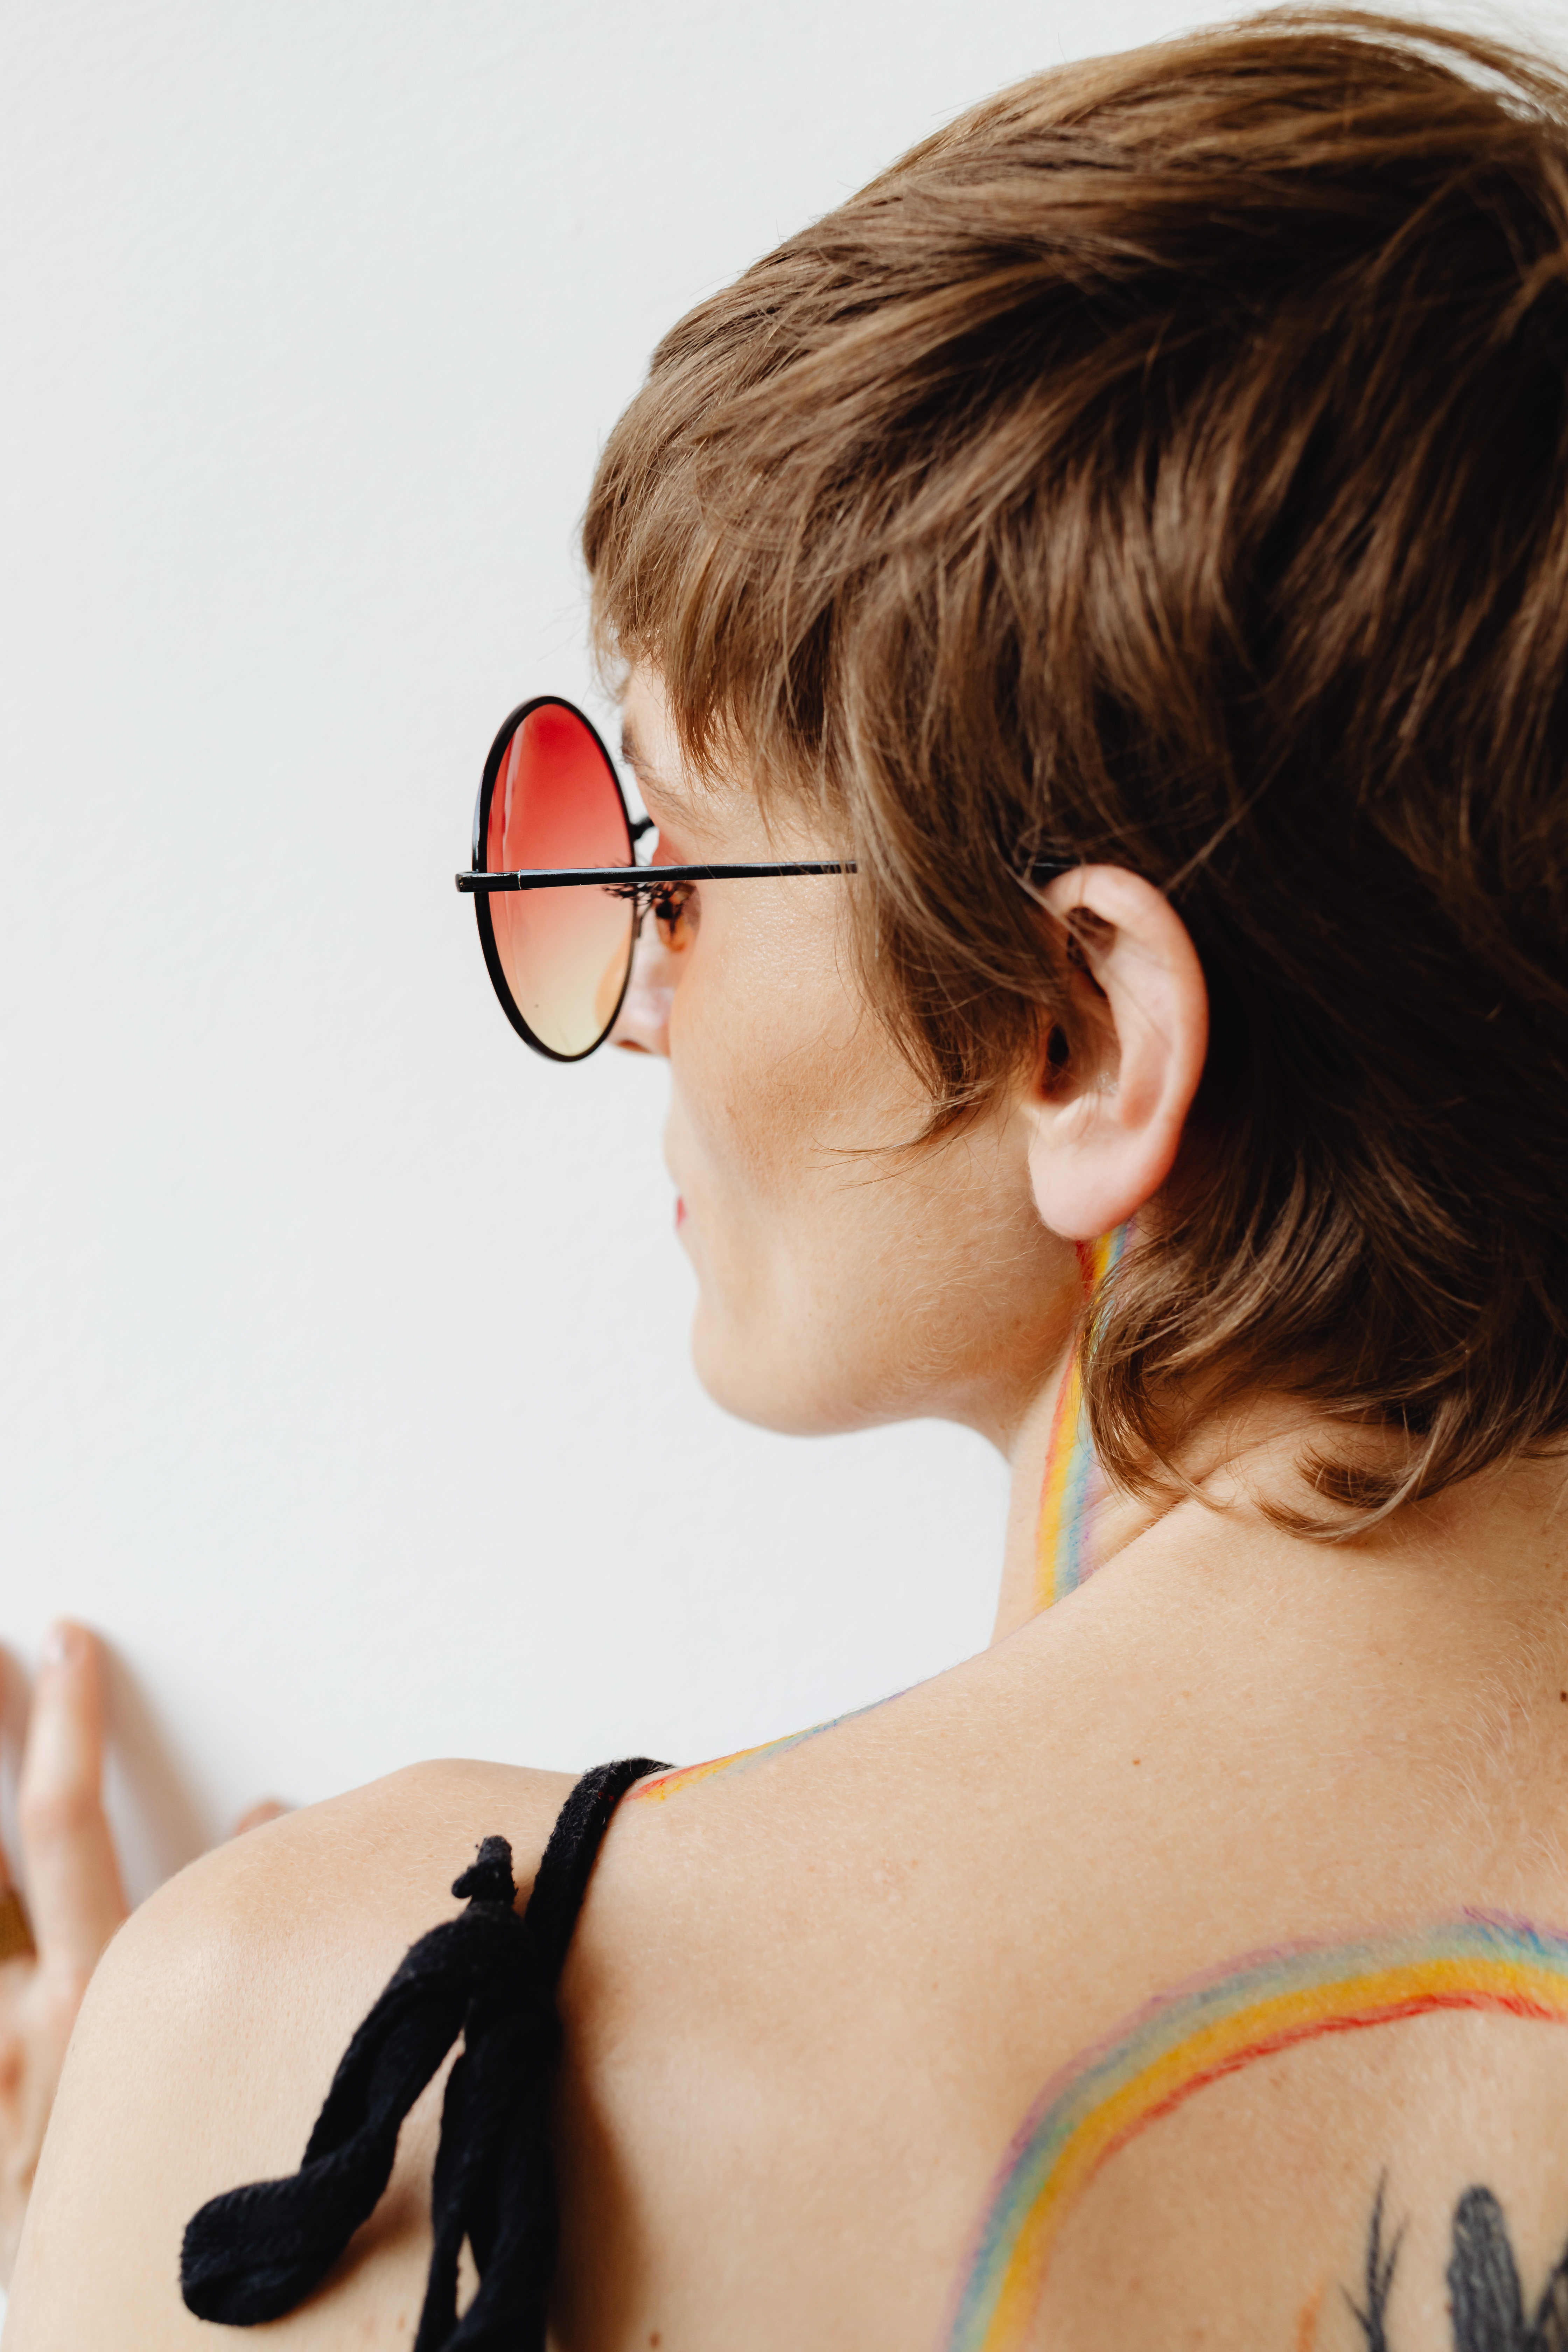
pixel 1379 2277
pixel 1486 2301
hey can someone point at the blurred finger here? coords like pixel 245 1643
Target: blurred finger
pixel 13 1700
pixel 15 1928
pixel 73 1874
pixel 267 1810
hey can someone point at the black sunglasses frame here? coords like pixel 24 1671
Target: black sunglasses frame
pixel 627 881
pixel 630 880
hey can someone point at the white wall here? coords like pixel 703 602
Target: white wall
pixel 341 1342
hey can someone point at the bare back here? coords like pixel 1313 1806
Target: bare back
pixel 1188 1967
pixel 1130 1984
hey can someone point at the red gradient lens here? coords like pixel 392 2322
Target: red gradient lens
pixel 566 954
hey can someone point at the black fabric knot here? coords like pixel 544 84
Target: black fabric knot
pixel 257 2252
pixel 487 1878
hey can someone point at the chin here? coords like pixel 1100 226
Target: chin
pixel 749 1373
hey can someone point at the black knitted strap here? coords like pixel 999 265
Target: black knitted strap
pixel 257 2252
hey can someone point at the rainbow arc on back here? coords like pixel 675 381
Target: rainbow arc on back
pixel 1215 2026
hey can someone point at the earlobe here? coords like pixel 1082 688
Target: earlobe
pixel 1107 1104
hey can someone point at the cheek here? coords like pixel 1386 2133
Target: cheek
pixel 762 1035
pixel 839 1287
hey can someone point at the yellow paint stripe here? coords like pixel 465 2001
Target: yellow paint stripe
pixel 1296 2014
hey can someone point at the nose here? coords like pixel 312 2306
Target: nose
pixel 642 1025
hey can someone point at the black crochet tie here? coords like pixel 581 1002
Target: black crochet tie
pixel 255 2254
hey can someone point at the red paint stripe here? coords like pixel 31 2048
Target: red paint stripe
pixel 1289 2036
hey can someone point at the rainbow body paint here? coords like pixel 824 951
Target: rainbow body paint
pixel 1072 1484
pixel 1217 2026
pixel 686 1776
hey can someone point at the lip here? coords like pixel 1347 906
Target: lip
pixel 680 1213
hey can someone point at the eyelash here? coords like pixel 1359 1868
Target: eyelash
pixel 666 901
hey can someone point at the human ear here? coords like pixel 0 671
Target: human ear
pixel 1107 1102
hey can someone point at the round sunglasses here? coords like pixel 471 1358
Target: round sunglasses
pixel 558 892
pixel 557 888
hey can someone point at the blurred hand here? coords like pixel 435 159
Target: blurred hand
pixel 76 1898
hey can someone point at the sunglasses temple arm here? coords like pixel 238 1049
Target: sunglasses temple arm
pixel 612 877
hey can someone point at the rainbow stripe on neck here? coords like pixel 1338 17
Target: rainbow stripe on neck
pixel 1072 1485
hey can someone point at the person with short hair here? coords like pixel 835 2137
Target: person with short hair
pixel 1091 619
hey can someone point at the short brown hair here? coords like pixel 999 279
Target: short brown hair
pixel 1167 464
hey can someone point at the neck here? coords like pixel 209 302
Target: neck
pixel 1483 1567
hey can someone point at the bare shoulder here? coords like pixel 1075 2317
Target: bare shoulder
pixel 1034 1992
pixel 207 2041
